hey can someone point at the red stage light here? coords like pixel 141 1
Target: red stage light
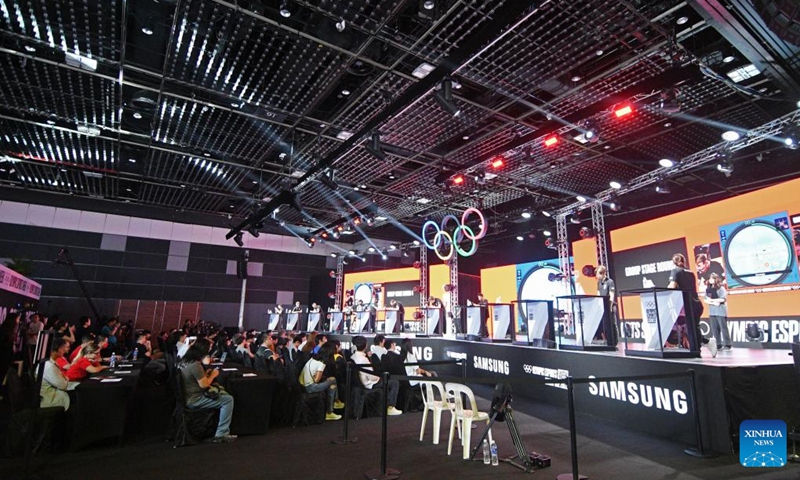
pixel 497 163
pixel 356 221
pixel 458 179
pixel 550 141
pixel 622 111
pixel 324 235
pixel 340 228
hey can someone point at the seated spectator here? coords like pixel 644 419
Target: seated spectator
pixel 243 353
pixel 154 369
pixel 320 340
pixel 196 381
pixel 293 348
pixel 84 327
pixel 311 342
pixel 378 348
pixel 55 383
pixel 86 340
pixel 361 358
pixel 267 354
pixel 311 378
pixel 88 361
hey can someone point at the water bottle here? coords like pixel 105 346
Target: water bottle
pixel 494 453
pixel 135 354
pixel 486 459
pixel 112 362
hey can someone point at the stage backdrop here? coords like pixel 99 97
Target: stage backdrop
pixel 530 281
pixel 751 241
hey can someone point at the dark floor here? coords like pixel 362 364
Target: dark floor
pixel 605 452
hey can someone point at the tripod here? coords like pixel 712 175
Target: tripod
pixel 503 411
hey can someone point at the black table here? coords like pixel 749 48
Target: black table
pixel 98 408
pixel 252 397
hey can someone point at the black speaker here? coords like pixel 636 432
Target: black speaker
pixel 241 266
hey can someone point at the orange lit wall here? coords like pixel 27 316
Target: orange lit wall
pixel 584 252
pixel 700 225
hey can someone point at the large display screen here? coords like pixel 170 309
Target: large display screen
pixel 749 241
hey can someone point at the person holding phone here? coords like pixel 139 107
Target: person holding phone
pixel 197 387
pixel 312 381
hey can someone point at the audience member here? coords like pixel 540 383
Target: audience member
pixel 378 348
pixel 199 388
pixel 319 340
pixel 311 378
pixel 55 383
pixel 88 361
pixel 361 358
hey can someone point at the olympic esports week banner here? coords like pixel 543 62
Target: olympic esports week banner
pixel 749 241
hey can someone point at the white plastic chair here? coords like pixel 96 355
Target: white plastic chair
pixel 463 398
pixel 434 400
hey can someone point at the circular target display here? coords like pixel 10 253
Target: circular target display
pixel 536 285
pixel 758 254
pixel 364 293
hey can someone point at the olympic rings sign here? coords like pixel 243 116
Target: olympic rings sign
pixel 452 238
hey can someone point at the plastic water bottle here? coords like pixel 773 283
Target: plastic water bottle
pixel 135 354
pixel 112 362
pixel 494 453
pixel 486 459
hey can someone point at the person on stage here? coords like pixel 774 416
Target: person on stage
pixel 484 304
pixel 297 308
pixel 717 300
pixel 279 309
pixel 607 288
pixel 682 279
pixel 314 308
pixel 401 312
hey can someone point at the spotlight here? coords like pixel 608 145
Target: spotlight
pixel 546 213
pixel 444 97
pixel 730 136
pixel 417 243
pixel 369 221
pixel 311 242
pixel 357 221
pixel 238 239
pixel 547 233
pixel 791 137
pixel 725 166
pixel 285 12
pixel 526 215
pixel 428 4
pixel 384 256
pixel 666 163
pixel 520 238
pixel 550 141
pixel 341 25
pixel 374 147
pixel 371 249
pixel 334 255
pixel 580 198
pixel 324 235
pixel 662 187
pixel 575 218
pixel 590 131
pixel 344 261
pixel 623 111
pixel 615 184
pixel 497 163
pixel 328 179
pixel 351 252
pixel 253 230
pixel 589 271
pixel 614 205
pixel 480 177
pixel 586 232
pixel 669 100
pixel 458 180
pixel 405 253
pixel 335 234
pixel 392 247
pixel 550 243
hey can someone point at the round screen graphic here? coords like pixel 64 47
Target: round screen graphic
pixel 536 285
pixel 758 254
pixel 364 293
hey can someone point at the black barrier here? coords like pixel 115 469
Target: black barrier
pixel 573 436
pixel 345 438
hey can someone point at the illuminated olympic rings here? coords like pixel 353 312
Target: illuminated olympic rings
pixel 460 232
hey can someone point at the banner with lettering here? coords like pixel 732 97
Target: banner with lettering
pixel 12 281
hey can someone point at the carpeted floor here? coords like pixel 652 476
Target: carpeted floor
pixel 605 452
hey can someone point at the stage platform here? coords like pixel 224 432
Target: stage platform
pixel 737 385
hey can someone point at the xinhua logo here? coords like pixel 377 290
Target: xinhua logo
pixel 762 443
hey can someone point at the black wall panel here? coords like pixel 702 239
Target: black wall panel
pixel 139 273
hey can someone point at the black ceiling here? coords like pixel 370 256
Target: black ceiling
pixel 215 106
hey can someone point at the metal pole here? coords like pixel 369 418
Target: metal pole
pixel 699 451
pixel 345 439
pixel 384 473
pixel 573 435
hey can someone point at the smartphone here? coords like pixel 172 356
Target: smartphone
pixel 223 357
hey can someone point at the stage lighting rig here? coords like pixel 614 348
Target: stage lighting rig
pixel 575 218
pixel 670 102
pixel 791 137
pixel 238 239
pixel 614 205
pixel 480 177
pixel 586 232
pixel 591 130
pixel 725 164
pixel 662 187
pixel 444 97
pixel 375 148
